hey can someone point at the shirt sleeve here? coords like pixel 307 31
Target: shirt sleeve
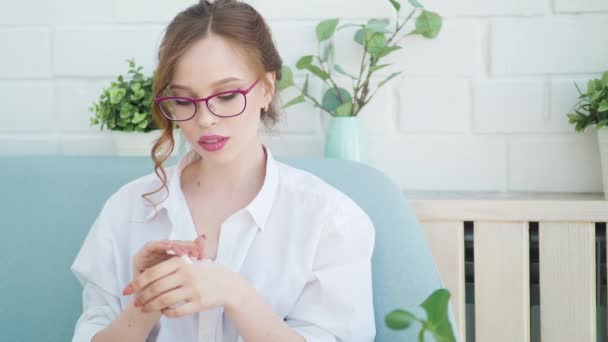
pixel 337 303
pixel 95 269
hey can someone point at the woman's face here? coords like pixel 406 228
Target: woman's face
pixel 202 71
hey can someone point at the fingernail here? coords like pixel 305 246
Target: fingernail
pixel 137 303
pixel 128 290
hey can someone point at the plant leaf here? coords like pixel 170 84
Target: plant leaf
pixel 428 24
pixel 359 36
pixel 377 67
pixel 376 43
pixel 348 25
pixel 378 25
pixel 344 109
pixel 598 84
pixel 329 49
pixel 387 50
pixel 399 319
pixel 573 117
pixel 590 86
pixel 603 106
pixel 116 95
pixel 331 101
pixel 304 62
pixel 436 307
pixel 596 95
pixel 393 75
pixel 138 118
pixel 286 78
pixel 305 88
pixel 326 29
pixel 443 332
pixel 294 101
pixel 579 89
pixel 415 3
pixel 605 79
pixel 340 70
pixel 395 4
pixel 318 71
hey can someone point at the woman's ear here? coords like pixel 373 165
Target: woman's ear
pixel 269 92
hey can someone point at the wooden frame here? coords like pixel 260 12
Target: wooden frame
pixel 502 262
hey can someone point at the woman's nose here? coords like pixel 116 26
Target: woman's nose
pixel 204 116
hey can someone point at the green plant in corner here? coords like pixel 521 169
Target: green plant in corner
pixel 378 41
pixel 126 104
pixel 592 105
pixel 436 322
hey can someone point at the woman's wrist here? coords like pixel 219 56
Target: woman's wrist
pixel 131 325
pixel 237 294
pixel 153 316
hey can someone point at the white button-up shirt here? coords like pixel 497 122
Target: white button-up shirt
pixel 302 244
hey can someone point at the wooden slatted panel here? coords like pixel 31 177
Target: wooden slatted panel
pixel 567 281
pixel 502 274
pixel 446 240
pixel 511 210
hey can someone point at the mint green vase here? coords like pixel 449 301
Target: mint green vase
pixel 345 139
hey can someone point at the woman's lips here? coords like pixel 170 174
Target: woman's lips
pixel 213 146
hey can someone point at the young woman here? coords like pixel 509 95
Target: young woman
pixel 277 253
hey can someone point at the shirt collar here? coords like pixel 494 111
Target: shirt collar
pixel 259 208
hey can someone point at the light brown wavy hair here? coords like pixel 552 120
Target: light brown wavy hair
pixel 238 23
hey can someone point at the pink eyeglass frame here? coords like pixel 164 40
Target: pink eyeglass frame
pixel 244 92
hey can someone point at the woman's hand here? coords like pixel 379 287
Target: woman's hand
pixel 201 285
pixel 155 252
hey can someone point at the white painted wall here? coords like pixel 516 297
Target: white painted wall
pixel 481 108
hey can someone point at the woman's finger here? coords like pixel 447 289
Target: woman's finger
pixel 158 287
pixel 155 245
pixel 182 310
pixel 167 299
pixel 155 272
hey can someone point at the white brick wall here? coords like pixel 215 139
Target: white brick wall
pixel 549 45
pixel 481 108
pixel 580 6
pixel 508 106
pixel 25 53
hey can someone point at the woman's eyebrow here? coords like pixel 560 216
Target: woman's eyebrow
pixel 214 84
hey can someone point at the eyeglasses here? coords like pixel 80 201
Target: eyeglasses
pixel 224 104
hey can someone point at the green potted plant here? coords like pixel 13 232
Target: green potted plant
pixel 436 323
pixel 125 109
pixel 378 38
pixel 591 109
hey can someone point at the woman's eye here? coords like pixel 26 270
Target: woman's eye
pixel 227 97
pixel 182 102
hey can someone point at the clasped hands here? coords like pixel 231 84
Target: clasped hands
pixel 163 281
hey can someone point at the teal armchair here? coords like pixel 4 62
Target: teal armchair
pixel 49 203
